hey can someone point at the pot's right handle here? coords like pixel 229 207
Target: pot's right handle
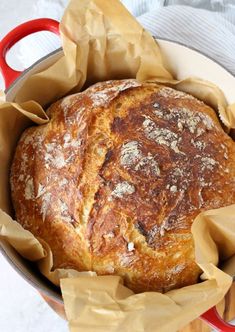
pixel 21 31
pixel 213 319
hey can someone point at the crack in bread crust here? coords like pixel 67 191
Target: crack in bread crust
pixel 115 180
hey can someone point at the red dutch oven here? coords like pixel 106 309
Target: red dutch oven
pixel 14 80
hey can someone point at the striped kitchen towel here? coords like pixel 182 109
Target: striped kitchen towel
pixel 206 25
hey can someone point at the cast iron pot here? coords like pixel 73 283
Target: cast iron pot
pixel 178 57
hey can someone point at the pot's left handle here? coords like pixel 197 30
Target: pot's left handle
pixel 21 31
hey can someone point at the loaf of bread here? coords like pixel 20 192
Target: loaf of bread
pixel 114 181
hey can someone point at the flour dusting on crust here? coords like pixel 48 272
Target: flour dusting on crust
pixel 133 158
pixel 103 96
pixel 41 190
pixel 160 135
pixel 148 165
pixel 46 201
pixel 130 153
pixel 122 189
pixel 29 189
pixel 167 92
pixel 186 119
pixel 208 163
pixel 56 159
pixel 71 142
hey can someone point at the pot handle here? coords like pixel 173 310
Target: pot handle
pixel 21 31
pixel 212 318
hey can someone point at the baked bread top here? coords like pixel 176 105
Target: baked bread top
pixel 114 181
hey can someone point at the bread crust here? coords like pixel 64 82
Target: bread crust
pixel 114 181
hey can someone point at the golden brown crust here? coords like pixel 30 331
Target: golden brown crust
pixel 114 181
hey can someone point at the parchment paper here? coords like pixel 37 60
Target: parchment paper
pixel 101 40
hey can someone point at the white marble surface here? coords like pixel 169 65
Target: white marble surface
pixel 22 308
